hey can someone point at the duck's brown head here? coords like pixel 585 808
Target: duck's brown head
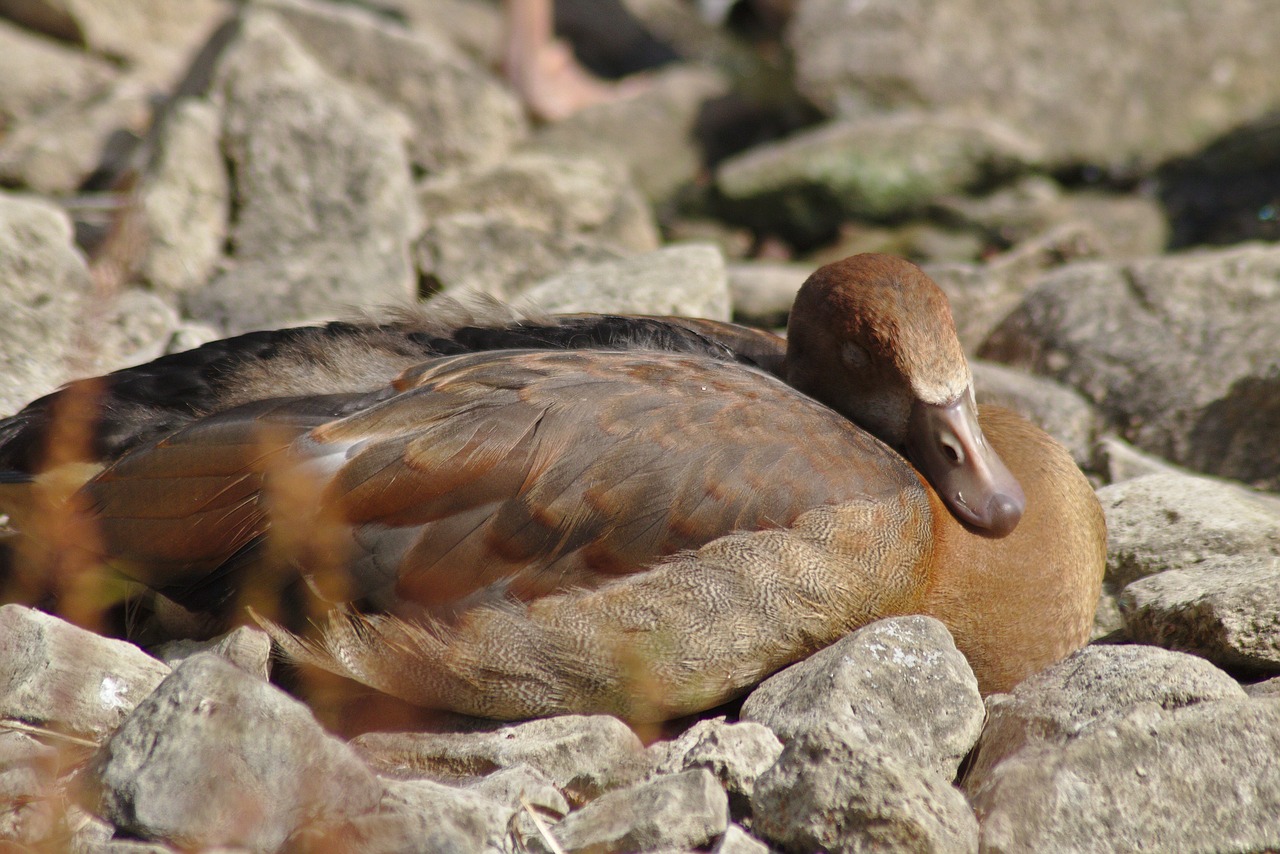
pixel 872 337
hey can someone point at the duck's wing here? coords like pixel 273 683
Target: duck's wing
pixel 486 476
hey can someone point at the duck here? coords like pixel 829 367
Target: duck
pixel 639 516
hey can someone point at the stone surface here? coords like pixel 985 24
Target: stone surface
pixel 1226 609
pixel 738 841
pixel 185 199
pixel 246 647
pixel 1058 410
pixel 1178 353
pixel 674 811
pixel 581 756
pixel 737 754
pixel 41 75
pixel 1173 520
pixel 1091 81
pixel 899 684
pixel 28 812
pixel 1092 688
pixel 873 168
pixel 1119 461
pixel 762 293
pixel 312 241
pixel 56 675
pixel 683 280
pixel 1201 778
pixel 500 230
pixel 462 115
pixel 652 133
pixel 216 756
pixel 828 794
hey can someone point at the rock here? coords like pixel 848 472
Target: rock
pixel 652 133
pixel 829 794
pixel 1266 688
pixel 1200 778
pixel 131 326
pixel 41 75
pixel 1173 520
pixel 499 230
pixel 55 675
pixel 872 168
pixel 517 785
pixel 28 770
pixel 675 811
pixel 681 280
pixel 1176 352
pixel 1092 688
pixel 153 36
pixel 581 755
pixel 1059 411
pixel 738 841
pixel 1224 609
pixel 476 28
pixel 185 199
pixel 418 816
pixel 737 754
pixel 246 647
pixel 324 212
pixel 762 293
pixel 899 684
pixel 1119 461
pixel 1090 82
pixel 216 756
pixel 462 115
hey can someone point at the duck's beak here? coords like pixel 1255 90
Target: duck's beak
pixel 947 446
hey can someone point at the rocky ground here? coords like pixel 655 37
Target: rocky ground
pixel 1093 184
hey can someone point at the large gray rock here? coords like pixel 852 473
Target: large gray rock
pixel 1172 520
pixel 1225 609
pixel 737 754
pixel 581 756
pixel 1200 778
pixel 1179 353
pixel 1091 81
pixel 325 213
pixel 762 293
pixel 216 756
pixel 40 75
pixel 682 280
pixel 872 168
pixel 826 794
pixel 500 230
pixel 652 134
pixel 899 684
pixel 671 812
pixel 1093 687
pixel 462 115
pixel 56 675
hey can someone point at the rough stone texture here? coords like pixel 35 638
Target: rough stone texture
pixel 652 133
pixel 517 785
pixel 27 790
pixel 56 675
pixel 762 293
pixel 872 168
pixel 462 114
pixel 738 841
pixel 185 199
pixel 683 280
pixel 1093 687
pixel 1265 688
pixel 581 755
pixel 1173 520
pixel 476 28
pixel 826 793
pixel 675 811
pixel 737 754
pixel 1225 609
pixel 306 243
pixel 1091 81
pixel 1202 778
pixel 216 756
pixel 899 684
pixel 1119 461
pixel 1058 410
pixel 500 230
pixel 246 647
pixel 1178 353
pixel 40 74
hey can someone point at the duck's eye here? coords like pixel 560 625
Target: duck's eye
pixel 853 356
pixel 951 449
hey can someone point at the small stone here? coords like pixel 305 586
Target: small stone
pixel 763 293
pixel 899 683
pixel 246 647
pixel 674 811
pixel 737 754
pixel 738 841
pixel 56 675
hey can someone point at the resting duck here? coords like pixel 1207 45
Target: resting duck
pixel 637 516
